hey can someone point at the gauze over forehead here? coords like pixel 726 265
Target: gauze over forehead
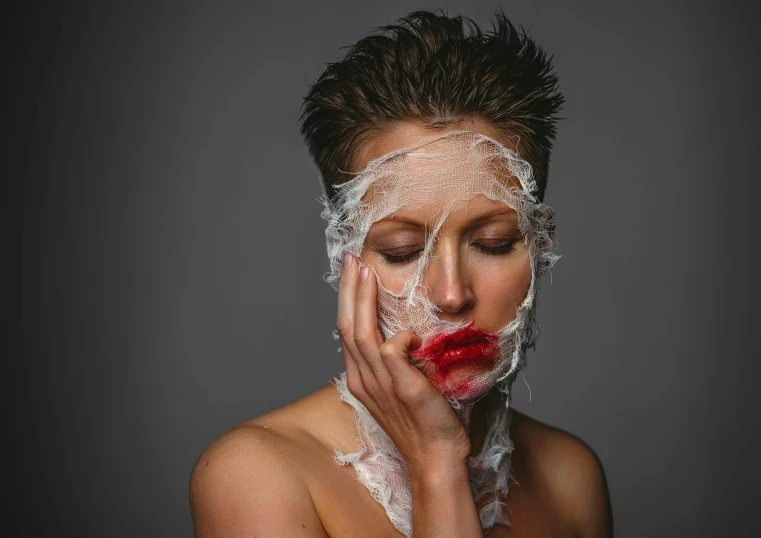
pixel 441 176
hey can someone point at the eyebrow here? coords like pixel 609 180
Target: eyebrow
pixel 485 216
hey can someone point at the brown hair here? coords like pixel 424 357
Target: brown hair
pixel 439 69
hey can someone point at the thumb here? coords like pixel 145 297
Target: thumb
pixel 395 354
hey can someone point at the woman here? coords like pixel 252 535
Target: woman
pixel 433 141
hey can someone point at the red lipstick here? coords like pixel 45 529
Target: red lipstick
pixel 464 345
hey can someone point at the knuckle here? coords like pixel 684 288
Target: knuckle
pixel 361 338
pixel 355 386
pixel 344 326
pixel 387 349
pixel 411 393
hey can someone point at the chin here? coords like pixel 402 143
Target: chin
pixel 463 381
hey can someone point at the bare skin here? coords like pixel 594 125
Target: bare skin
pixel 275 475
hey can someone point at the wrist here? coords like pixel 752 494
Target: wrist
pixel 435 461
pixel 436 473
pixel 442 501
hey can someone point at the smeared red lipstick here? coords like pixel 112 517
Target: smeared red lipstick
pixel 466 344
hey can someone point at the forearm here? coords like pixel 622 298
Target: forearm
pixel 442 503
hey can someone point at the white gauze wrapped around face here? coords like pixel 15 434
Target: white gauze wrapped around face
pixel 439 177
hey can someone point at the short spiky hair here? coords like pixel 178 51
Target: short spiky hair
pixel 437 69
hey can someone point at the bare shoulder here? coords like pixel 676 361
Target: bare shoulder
pixel 568 472
pixel 248 483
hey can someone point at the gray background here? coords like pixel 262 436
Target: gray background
pixel 171 250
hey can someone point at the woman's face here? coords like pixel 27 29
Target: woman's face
pixel 479 269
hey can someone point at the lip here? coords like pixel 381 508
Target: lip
pixel 464 345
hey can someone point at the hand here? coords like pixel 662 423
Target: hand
pixel 405 404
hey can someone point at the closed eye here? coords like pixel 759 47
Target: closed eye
pixel 496 250
pixel 401 258
pixel 493 250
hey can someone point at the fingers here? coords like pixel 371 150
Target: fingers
pixel 361 377
pixel 373 367
pixel 366 334
pixel 395 354
pixel 345 317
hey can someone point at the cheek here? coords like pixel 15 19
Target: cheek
pixel 500 289
pixel 392 277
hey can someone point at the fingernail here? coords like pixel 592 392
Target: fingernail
pixel 363 273
pixel 348 260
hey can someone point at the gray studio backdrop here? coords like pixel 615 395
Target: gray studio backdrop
pixel 173 251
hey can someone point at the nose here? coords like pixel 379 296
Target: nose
pixel 448 281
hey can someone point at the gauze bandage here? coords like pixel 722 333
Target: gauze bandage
pixel 441 176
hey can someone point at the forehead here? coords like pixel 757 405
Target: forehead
pixel 444 174
pixel 478 210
